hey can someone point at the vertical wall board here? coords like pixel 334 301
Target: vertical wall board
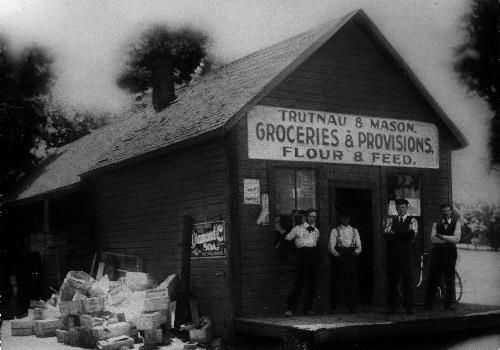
pixel 347 75
pixel 140 210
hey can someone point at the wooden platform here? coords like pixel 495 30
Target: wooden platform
pixel 370 323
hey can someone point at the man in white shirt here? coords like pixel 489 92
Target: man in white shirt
pixel 344 247
pixel 306 238
pixel 445 234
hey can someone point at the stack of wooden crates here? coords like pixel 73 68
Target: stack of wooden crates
pixel 85 322
pixel 42 321
pixel 156 317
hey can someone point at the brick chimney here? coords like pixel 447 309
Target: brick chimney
pixel 163 83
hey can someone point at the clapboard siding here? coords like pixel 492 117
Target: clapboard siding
pixel 347 75
pixel 140 211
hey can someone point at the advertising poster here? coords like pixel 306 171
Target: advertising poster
pixel 208 240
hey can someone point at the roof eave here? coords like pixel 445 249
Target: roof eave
pixel 371 30
pixel 61 191
pixel 218 132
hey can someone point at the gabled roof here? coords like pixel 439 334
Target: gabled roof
pixel 210 103
pixel 218 100
pixel 210 106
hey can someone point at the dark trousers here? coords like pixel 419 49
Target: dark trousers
pixel 443 259
pixel 306 278
pixel 400 271
pixel 344 278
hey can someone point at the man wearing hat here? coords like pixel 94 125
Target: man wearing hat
pixel 306 238
pixel 400 235
pixel 445 234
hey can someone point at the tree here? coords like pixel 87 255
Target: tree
pixel 478 62
pixel 64 124
pixel 186 47
pixel 31 122
pixel 21 80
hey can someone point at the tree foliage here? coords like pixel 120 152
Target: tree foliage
pixel 480 221
pixel 31 123
pixel 186 47
pixel 478 61
pixel 21 80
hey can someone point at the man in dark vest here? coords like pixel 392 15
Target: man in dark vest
pixel 445 234
pixel 400 235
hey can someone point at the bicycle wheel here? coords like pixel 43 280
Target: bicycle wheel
pixel 458 289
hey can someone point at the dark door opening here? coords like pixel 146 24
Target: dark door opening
pixel 358 202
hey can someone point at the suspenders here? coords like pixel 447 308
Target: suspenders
pixel 353 238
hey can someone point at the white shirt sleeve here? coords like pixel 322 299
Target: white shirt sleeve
pixel 358 241
pixel 333 240
pixel 292 234
pixel 458 232
pixel 434 238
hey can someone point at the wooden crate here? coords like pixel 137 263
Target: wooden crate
pixel 89 321
pixel 116 343
pixel 156 301
pixel 62 336
pixel 150 321
pixel 73 337
pixel 71 307
pixel 70 321
pixel 86 338
pixel 153 337
pixel 111 331
pixel 22 327
pixel 21 332
pixel 46 328
pixel 94 304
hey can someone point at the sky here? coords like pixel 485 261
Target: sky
pixel 89 38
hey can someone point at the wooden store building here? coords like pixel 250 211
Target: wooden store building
pixel 332 118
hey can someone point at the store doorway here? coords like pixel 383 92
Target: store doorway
pixel 358 202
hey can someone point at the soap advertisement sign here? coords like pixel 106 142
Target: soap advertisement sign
pixel 208 240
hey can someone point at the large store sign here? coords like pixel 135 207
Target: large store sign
pixel 208 240
pixel 312 136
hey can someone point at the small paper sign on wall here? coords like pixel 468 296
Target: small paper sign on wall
pixel 251 191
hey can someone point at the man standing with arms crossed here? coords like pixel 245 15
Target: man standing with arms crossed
pixel 445 234
pixel 400 235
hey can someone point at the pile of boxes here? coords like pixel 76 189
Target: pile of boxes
pixel 85 322
pixel 82 319
pixel 157 317
pixel 42 321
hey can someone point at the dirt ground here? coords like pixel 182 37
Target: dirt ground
pixel 480 271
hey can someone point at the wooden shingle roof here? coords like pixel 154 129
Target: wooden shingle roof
pixel 62 169
pixel 211 102
pixel 211 105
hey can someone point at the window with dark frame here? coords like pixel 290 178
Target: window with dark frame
pixel 295 192
pixel 404 186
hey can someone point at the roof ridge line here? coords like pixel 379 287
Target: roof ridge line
pixel 308 51
pixel 331 22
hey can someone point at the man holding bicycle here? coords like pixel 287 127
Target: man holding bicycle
pixel 445 234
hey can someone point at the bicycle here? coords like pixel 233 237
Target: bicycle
pixel 441 289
